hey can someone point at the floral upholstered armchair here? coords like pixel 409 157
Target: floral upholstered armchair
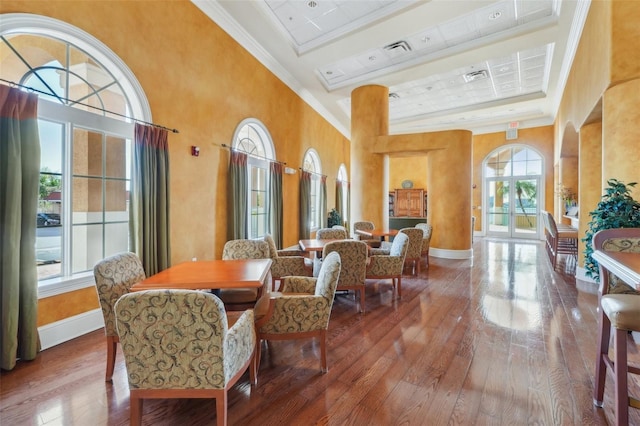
pixel 353 255
pixel 285 264
pixel 390 266
pixel 177 344
pixel 331 234
pixel 413 251
pixel 302 309
pixel 242 298
pixel 365 225
pixel 427 230
pixel 114 277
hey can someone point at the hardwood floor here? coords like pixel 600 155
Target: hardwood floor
pixel 501 339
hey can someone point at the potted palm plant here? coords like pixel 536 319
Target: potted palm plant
pixel 616 209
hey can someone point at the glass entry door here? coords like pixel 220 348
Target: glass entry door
pixel 512 207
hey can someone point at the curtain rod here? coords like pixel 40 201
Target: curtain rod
pixel 33 89
pixel 224 145
pixel 312 173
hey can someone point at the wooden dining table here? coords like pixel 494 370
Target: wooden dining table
pixel 315 245
pixel 209 274
pixel 624 265
pixel 381 233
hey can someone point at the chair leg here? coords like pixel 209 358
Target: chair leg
pixel 323 350
pixel 399 286
pixel 417 266
pixel 221 409
pixel 620 376
pixel 604 335
pixel 112 347
pixel 253 367
pixel 362 295
pixel 135 410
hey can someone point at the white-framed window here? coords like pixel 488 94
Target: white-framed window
pixel 311 163
pixel 86 94
pixel 343 178
pixel 252 137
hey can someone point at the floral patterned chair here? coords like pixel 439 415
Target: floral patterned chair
pixel 243 298
pixel 365 226
pixel 390 266
pixel 286 263
pixel 354 256
pixel 177 344
pixel 620 311
pixel 427 230
pixel 114 277
pixel 302 309
pixel 331 234
pixel 413 251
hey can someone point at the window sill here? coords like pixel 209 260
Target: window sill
pixel 56 286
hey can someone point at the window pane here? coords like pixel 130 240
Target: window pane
pixel 258 202
pixel 116 238
pixel 49 216
pixel 87 246
pixel 87 153
pixel 87 200
pixel 118 157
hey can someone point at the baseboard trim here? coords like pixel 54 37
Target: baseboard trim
pixel 451 254
pixel 69 328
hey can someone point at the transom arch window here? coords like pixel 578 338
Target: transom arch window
pixel 342 193
pixel 85 169
pixel 253 138
pixel 311 163
pixel 513 191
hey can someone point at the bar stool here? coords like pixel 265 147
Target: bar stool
pixel 622 312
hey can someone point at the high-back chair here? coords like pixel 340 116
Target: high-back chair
pixel 114 277
pixel 286 263
pixel 427 230
pixel 177 344
pixel 302 309
pixel 620 309
pixel 353 255
pixel 390 266
pixel 559 238
pixel 414 251
pixel 365 225
pixel 331 234
pixel 242 298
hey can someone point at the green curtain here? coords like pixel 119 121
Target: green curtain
pixel 323 201
pixel 19 188
pixel 237 196
pixel 275 202
pixel 305 204
pixel 150 198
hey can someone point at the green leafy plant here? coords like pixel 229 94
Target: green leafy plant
pixel 334 218
pixel 616 209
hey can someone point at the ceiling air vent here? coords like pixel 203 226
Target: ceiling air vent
pixel 475 75
pixel 398 48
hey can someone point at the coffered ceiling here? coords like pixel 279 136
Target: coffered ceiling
pixel 478 65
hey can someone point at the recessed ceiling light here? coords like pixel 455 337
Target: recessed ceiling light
pixel 495 15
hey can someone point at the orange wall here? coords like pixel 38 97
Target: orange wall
pixel 538 138
pixel 413 168
pixel 199 80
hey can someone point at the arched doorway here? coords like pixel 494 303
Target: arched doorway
pixel 513 192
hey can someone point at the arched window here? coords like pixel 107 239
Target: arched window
pixel 85 170
pixel 342 193
pixel 513 192
pixel 311 164
pixel 252 137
